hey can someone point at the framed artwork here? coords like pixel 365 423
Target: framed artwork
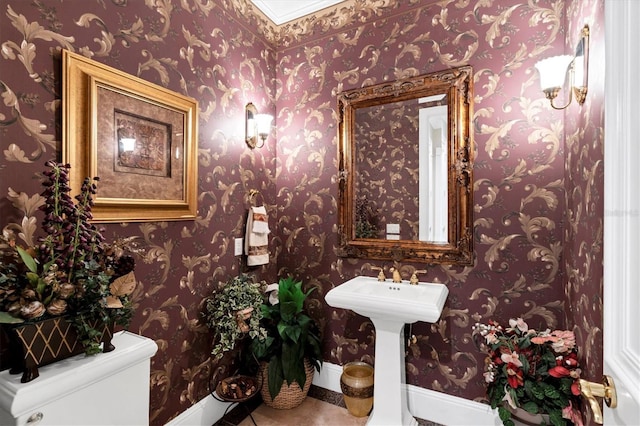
pixel 138 138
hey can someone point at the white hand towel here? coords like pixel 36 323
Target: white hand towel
pixel 256 243
pixel 260 221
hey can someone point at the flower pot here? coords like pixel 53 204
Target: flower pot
pixel 356 383
pixel 31 345
pixel 290 396
pixel 524 418
pixel 241 319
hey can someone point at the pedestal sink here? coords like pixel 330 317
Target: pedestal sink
pixel 390 306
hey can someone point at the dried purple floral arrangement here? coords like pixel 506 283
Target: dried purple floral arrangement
pixel 68 271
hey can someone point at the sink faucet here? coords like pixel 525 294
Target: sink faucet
pixel 396 275
pixel 414 277
pixel 381 276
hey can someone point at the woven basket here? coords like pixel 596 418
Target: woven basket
pixel 33 345
pixel 289 396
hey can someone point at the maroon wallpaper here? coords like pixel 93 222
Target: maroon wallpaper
pixel 202 49
pixel 584 202
pixel 521 174
pixel 538 174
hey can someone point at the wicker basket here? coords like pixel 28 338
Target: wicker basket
pixel 36 344
pixel 289 396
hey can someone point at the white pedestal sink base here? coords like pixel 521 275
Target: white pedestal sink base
pixel 390 306
pixel 389 391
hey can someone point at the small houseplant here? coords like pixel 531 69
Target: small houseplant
pixel 291 348
pixel 233 312
pixel 69 272
pixel 536 371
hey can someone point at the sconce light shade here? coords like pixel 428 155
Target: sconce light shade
pixel 257 126
pixel 263 125
pixel 554 71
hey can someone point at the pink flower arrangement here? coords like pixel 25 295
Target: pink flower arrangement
pixel 537 371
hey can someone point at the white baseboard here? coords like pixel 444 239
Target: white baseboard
pixel 423 403
pixel 447 409
pixel 329 377
pixel 205 412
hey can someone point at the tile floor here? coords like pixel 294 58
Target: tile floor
pixel 321 408
pixel 312 412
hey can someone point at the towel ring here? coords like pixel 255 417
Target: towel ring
pixel 253 193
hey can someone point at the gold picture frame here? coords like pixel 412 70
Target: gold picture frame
pixel 139 138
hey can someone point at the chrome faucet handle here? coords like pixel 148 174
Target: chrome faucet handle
pixel 381 276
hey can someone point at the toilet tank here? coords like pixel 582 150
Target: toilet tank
pixel 108 388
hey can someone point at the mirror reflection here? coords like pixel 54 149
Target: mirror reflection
pixel 406 169
pixel 401 170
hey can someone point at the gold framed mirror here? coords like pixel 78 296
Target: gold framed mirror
pixel 406 169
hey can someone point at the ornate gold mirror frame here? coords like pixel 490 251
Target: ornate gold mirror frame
pixel 457 246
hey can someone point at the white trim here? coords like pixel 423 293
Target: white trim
pixel 423 403
pixel 621 210
pixel 205 412
pixel 282 11
pixel 329 377
pixel 447 409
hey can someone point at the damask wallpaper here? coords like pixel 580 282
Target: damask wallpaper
pixel 538 172
pixel 521 169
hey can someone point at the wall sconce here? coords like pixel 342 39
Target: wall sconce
pixel 257 126
pixel 553 72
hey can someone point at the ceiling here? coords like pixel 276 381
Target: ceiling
pixel 281 11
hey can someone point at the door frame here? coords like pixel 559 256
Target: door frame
pixel 621 292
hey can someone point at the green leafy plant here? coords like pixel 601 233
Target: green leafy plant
pixel 70 270
pixel 233 312
pixel 537 371
pixel 292 337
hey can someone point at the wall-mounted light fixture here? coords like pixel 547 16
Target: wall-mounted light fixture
pixel 257 126
pixel 554 71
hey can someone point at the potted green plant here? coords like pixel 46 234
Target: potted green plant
pixel 531 372
pixel 233 312
pixel 291 349
pixel 70 272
